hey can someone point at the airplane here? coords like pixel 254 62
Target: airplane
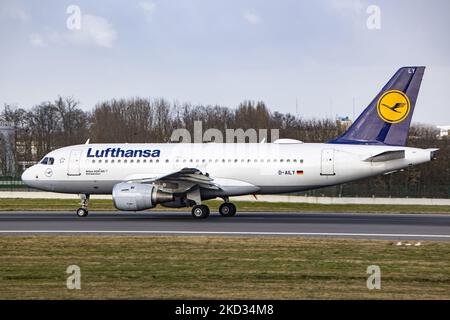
pixel 142 176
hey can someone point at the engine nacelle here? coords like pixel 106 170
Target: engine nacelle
pixel 138 196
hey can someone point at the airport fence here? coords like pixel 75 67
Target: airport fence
pixel 372 191
pixel 354 189
pixel 9 183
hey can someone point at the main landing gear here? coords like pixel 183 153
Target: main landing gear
pixel 83 210
pixel 201 211
pixel 227 209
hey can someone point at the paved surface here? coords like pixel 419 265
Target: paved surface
pixel 350 225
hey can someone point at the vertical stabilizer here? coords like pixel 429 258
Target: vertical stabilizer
pixel 387 118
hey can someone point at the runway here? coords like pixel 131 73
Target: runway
pixel 342 225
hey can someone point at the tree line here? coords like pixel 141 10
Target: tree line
pixel 62 122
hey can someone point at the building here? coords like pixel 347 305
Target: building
pixel 444 131
pixel 343 122
pixel 7 132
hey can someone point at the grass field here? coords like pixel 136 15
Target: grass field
pixel 8 204
pixel 34 267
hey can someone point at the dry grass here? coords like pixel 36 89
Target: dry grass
pixel 220 268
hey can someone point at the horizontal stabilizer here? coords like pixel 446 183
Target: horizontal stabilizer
pixel 387 156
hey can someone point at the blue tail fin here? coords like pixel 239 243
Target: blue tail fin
pixel 387 118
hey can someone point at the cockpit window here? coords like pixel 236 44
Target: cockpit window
pixel 48 161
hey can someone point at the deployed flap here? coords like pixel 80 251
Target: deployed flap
pixel 387 156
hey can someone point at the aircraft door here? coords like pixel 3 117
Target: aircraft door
pixel 74 163
pixel 327 165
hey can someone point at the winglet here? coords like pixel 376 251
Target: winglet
pixel 87 141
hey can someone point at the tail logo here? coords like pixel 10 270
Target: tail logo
pixel 393 106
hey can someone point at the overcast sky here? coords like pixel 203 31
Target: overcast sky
pixel 223 52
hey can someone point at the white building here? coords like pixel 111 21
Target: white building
pixel 444 131
pixel 7 131
pixel 343 122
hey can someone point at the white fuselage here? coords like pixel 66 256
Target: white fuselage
pixel 240 168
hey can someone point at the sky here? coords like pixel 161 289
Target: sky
pixel 315 59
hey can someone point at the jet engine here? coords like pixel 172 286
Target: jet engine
pixel 130 196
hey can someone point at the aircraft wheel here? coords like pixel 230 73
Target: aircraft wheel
pixel 200 211
pixel 81 212
pixel 227 209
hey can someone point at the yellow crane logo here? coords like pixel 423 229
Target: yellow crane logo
pixel 393 106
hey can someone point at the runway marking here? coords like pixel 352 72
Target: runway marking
pixel 342 234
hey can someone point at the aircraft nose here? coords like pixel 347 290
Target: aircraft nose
pixel 27 176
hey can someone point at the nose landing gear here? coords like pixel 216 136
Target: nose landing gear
pixel 84 201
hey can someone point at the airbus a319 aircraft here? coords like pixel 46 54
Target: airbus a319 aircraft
pixel 141 176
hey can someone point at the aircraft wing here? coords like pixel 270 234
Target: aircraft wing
pixel 180 181
pixel 188 179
